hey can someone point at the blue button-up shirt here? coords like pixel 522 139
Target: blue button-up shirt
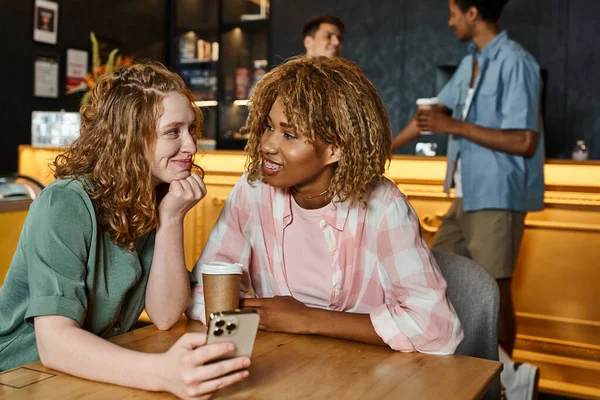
pixel 507 96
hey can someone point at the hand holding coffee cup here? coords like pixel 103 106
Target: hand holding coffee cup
pixel 429 104
pixel 221 283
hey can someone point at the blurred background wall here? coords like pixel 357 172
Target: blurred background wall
pixel 399 43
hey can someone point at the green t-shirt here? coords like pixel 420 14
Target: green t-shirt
pixel 66 265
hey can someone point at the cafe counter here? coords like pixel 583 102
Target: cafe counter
pixel 556 282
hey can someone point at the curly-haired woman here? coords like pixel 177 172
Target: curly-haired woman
pixel 328 244
pixel 105 240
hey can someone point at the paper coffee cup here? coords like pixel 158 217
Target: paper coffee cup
pixel 427 103
pixel 221 283
pixel 221 268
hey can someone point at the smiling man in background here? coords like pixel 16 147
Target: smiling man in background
pixel 323 36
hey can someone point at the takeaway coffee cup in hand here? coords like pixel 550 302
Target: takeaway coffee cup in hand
pixel 221 283
pixel 427 104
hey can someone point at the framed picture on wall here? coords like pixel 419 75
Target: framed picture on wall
pixel 45 76
pixel 77 68
pixel 45 21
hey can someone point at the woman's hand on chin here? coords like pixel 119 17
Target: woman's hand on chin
pixel 183 195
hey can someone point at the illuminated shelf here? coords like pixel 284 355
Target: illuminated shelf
pixel 206 103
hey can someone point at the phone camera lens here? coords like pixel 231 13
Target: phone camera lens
pixel 220 323
pixel 218 332
pixel 230 326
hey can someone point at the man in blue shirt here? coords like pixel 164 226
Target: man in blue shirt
pixel 495 159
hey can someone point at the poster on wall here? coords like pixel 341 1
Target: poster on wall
pixel 46 76
pixel 45 21
pixel 77 67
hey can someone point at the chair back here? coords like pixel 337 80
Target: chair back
pixel 475 296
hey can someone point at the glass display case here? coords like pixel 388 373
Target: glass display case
pixel 220 49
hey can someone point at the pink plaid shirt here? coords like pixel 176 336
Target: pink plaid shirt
pixel 382 266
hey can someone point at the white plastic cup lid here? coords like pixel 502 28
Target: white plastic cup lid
pixel 221 268
pixel 428 101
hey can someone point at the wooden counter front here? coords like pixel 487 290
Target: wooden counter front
pixel 558 271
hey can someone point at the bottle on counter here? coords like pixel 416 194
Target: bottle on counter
pixel 260 69
pixel 580 151
pixel 187 47
pixel 242 76
pixel 242 79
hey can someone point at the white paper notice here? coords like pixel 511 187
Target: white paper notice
pixel 46 78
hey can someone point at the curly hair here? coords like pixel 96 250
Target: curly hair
pixel 113 155
pixel 330 99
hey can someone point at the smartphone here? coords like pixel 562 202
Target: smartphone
pixel 238 327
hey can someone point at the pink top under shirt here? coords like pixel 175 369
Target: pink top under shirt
pixel 381 264
pixel 307 258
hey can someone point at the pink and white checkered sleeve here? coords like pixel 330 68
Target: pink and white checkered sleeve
pixel 226 243
pixel 417 315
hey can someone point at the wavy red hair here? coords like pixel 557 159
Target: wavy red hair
pixel 112 156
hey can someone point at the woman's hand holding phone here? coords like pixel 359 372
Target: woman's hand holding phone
pixel 236 326
pixel 186 370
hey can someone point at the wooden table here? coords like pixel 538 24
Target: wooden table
pixel 284 367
